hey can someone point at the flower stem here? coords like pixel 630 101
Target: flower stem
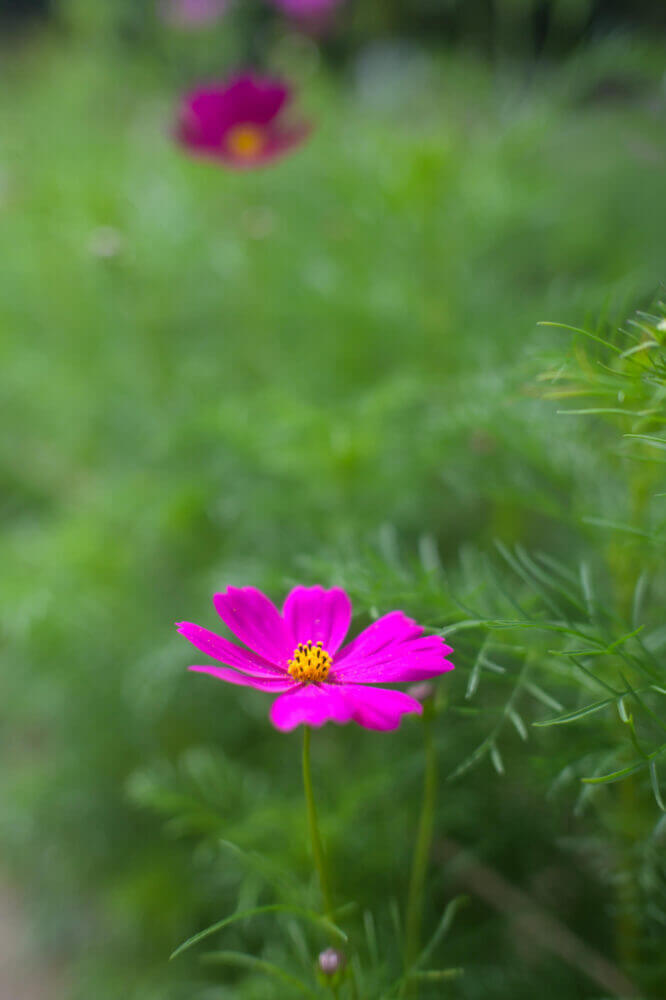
pixel 422 846
pixel 315 839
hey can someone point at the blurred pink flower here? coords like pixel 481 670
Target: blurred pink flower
pixel 296 654
pixel 240 122
pixel 192 13
pixel 314 17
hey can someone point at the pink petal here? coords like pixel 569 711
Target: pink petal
pixel 391 650
pixel 255 98
pixel 283 137
pixel 312 705
pixel 221 649
pixel 317 615
pixel 279 141
pixel 274 684
pixel 243 99
pixel 256 622
pixel 315 704
pixel 394 627
pixel 417 659
pixel 379 708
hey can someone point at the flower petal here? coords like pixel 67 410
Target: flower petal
pixel 315 704
pixel 281 137
pixel 317 615
pixel 256 99
pixel 274 684
pixel 392 650
pixel 256 621
pixel 311 705
pixel 379 708
pixel 279 141
pixel 221 649
pixel 417 659
pixel 394 627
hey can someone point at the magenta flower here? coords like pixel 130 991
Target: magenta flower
pixel 241 122
pixel 297 656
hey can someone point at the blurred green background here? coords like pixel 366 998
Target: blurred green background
pixel 318 372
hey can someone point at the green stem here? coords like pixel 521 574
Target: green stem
pixel 315 839
pixel 422 847
pixel 354 984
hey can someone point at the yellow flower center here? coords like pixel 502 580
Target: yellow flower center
pixel 245 141
pixel 310 663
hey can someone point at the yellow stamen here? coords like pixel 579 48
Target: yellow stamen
pixel 310 663
pixel 245 141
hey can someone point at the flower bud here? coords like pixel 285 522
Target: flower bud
pixel 331 961
pixel 422 691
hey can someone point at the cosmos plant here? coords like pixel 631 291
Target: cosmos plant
pixel 297 654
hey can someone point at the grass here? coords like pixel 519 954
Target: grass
pixel 323 363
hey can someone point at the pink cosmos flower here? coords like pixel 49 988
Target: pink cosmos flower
pixel 296 654
pixel 192 13
pixel 240 122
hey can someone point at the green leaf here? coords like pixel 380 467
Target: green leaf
pixel 460 626
pixel 606 779
pixel 240 959
pixel 298 911
pixel 646 708
pixel 527 577
pixel 496 759
pixel 558 567
pixel 547 578
pixel 473 758
pixel 585 333
pixel 538 625
pixel 442 929
pixel 518 724
pixel 601 522
pixel 597 680
pixel 639 594
pixel 371 936
pixel 607 409
pixel 654 780
pixel 543 696
pixel 579 713
pixel 646 345
pixel 654 442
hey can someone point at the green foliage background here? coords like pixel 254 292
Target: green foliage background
pixel 327 371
